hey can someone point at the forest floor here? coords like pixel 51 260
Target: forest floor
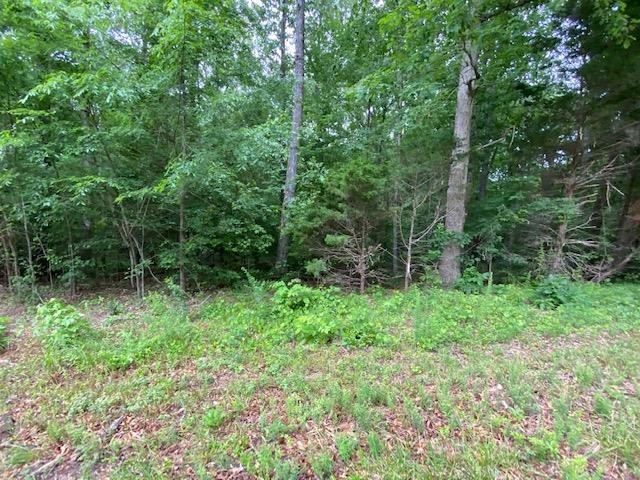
pixel 206 402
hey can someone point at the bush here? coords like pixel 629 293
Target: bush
pixel 315 328
pixel 4 333
pixel 552 292
pixel 60 325
pixel 472 281
pixel 312 312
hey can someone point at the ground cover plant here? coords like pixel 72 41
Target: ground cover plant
pixel 287 381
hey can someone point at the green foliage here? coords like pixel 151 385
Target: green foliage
pixel 445 317
pixel 60 325
pixel 4 333
pixel 316 267
pixel 471 281
pixel 346 446
pixel 552 292
pixel 322 466
pixel 375 445
pixel 214 417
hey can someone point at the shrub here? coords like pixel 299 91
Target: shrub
pixel 294 296
pixel 4 333
pixel 312 312
pixel 315 328
pixel 472 281
pixel 60 325
pixel 552 292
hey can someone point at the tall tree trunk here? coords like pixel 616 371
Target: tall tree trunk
pixel 282 34
pixel 449 266
pixel 294 145
pixel 407 270
pixel 181 242
pixel 27 238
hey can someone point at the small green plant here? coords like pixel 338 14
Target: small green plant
pixel 19 455
pixel 575 468
pixel 552 292
pixel 314 328
pixel 413 415
pixel 214 417
pixel 346 446
pixel 602 406
pixel 545 446
pixel 322 466
pixel 4 333
pixel 60 325
pixel 286 470
pixel 375 444
pixel 316 267
pixel 115 307
pixel 472 281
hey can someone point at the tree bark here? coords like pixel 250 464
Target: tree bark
pixel 294 145
pixel 449 265
pixel 283 38
pixel 181 245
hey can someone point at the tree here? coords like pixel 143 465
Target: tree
pixel 294 143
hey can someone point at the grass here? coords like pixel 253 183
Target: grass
pixel 424 384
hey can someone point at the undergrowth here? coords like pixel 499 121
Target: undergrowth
pixel 270 315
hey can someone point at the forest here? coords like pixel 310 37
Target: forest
pixel 345 142
pixel 320 239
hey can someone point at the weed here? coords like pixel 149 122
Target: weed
pixel 552 292
pixel 214 417
pixel 322 466
pixel 346 446
pixel 375 445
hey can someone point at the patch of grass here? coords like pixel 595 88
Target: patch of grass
pixel 346 446
pixel 214 417
pixel 322 466
pixel 18 456
pixel 231 388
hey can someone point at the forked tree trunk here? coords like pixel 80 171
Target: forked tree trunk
pixel 294 145
pixel 449 265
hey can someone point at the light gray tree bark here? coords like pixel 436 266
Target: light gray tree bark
pixel 449 266
pixel 294 144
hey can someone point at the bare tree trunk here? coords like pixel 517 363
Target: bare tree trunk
pixel 72 260
pixel 32 273
pixel 45 252
pixel 407 270
pixel 283 38
pixel 449 266
pixel 395 250
pixel 181 242
pixel 294 145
